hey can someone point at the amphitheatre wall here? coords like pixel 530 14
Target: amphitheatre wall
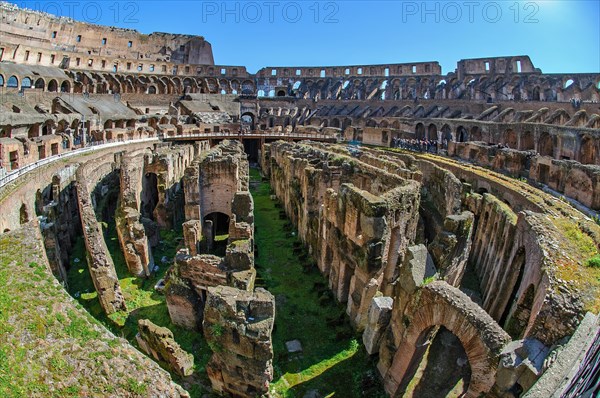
pixel 515 257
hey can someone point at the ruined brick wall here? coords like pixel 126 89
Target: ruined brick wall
pixel 216 180
pixel 356 219
pixel 237 326
pixel 434 304
pixel 101 266
pixel 130 229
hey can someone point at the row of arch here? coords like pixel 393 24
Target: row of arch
pixel 515 87
pixel 52 85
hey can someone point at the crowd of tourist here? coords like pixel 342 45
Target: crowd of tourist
pixel 430 146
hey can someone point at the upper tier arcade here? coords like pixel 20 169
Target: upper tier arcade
pixel 51 41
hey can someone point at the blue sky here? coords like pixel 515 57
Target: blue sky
pixel 558 35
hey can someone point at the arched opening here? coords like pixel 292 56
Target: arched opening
pixel 40 84
pixel 432 132
pixel 53 86
pixel 510 139
pixel 527 143
pixel 281 93
pixel 65 87
pixel 23 214
pixel 216 232
pixel 248 120
pixel 568 83
pixel 441 361
pixel 545 145
pixel 446 135
pixel 26 83
pixel 517 323
pixel 420 131
pixel 461 134
pixel 475 133
pixel 588 151
pixel 1 81
pixel 149 195
pixel 518 264
pixel 12 82
pixel 152 90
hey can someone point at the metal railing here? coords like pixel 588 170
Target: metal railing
pixel 248 135
pixel 13 175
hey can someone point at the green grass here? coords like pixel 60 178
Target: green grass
pixel 143 302
pixel 332 361
pixel 594 262
pixel 48 346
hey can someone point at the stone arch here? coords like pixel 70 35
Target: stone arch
pixel 432 133
pixel 587 152
pixel 476 133
pixel 527 142
pixel 1 80
pixel 52 86
pixel 546 145
pixel 40 84
pixel 65 87
pixel 220 223
pixel 26 83
pixel 151 89
pixel 511 139
pixel 446 135
pixel 439 304
pixel 248 118
pixel 23 214
pixel 420 131
pixel 13 82
pixel 461 134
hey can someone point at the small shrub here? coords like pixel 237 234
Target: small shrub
pixel 594 262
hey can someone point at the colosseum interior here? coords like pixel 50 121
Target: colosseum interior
pixel 175 228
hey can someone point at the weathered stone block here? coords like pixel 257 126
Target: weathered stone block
pixel 159 342
pixel 380 313
pixel 237 326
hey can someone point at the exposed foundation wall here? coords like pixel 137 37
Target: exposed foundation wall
pixel 59 222
pixel 130 227
pixel 356 222
pixel 215 181
pixel 509 255
pixel 573 179
pixel 101 266
pixel 414 320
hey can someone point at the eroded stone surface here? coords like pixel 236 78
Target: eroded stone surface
pixel 159 342
pixel 237 326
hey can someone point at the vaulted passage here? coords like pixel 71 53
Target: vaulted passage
pixel 149 195
pixel 440 367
